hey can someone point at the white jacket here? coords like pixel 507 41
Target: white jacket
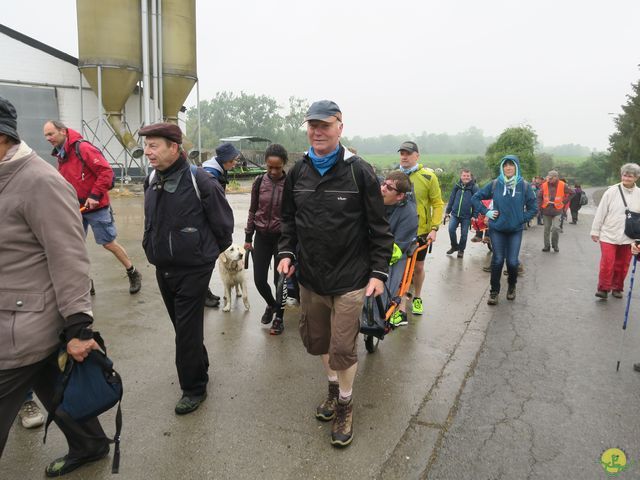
pixel 608 223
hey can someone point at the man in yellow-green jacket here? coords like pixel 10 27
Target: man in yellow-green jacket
pixel 428 197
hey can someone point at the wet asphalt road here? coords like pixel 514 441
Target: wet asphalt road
pixel 541 399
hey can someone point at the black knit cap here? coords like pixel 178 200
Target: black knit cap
pixel 8 119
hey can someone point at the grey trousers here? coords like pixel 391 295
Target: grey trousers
pixel 550 228
pixel 84 438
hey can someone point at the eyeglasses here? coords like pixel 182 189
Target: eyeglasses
pixel 388 186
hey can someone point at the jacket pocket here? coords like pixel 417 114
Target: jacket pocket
pixel 12 304
pixel 185 243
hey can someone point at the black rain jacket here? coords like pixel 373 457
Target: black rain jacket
pixel 334 225
pixel 180 229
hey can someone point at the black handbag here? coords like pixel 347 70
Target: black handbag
pixel 87 389
pixel 632 220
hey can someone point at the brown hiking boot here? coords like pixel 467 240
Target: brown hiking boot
pixel 327 409
pixel 342 429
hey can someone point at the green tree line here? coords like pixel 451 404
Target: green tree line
pixel 228 114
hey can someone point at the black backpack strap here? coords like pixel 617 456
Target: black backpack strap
pixel 115 466
pixel 626 207
pixel 57 394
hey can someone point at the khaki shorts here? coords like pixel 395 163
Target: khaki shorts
pixel 331 324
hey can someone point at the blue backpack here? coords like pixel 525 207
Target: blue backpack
pixel 88 389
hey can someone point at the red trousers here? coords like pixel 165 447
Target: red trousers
pixel 614 265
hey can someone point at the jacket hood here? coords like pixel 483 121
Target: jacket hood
pixel 72 137
pixel 213 163
pixel 516 161
pixel 9 167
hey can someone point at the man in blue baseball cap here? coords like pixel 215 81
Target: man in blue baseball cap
pixel 334 226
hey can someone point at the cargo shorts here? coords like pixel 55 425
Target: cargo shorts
pixel 331 324
pixel 102 224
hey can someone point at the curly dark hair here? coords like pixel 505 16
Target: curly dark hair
pixel 276 150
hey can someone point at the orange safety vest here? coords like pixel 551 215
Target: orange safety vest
pixel 558 202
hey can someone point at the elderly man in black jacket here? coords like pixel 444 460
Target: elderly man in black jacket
pixel 188 222
pixel 333 224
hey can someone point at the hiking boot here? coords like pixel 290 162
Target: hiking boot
pixel 636 367
pixel 546 249
pixel 452 250
pixel 475 239
pixel 616 293
pixel 398 319
pixel 326 411
pixel 556 249
pixel 602 294
pixel 188 404
pixel 211 300
pixel 493 298
pixel 511 292
pixel 277 327
pixel 268 315
pixel 135 281
pixel 486 268
pixel 460 254
pixel 63 465
pixel 342 428
pixel 417 307
pixel 30 415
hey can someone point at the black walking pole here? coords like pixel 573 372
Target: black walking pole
pixel 626 310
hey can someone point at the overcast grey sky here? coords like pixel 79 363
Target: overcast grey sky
pixel 410 66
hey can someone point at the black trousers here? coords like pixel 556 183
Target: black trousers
pixel 265 248
pixel 183 291
pixel 84 438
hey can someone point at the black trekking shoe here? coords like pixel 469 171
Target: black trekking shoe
pixel 452 250
pixel 211 300
pixel 511 292
pixel 546 249
pixel 461 254
pixel 636 367
pixel 602 294
pixel 277 327
pixel 493 298
pixel 267 316
pixel 189 404
pixel 63 465
pixel 135 281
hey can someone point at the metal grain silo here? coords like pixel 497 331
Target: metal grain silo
pixel 179 69
pixel 110 57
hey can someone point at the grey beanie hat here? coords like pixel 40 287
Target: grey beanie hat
pixel 8 119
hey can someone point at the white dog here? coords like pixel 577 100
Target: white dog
pixel 231 268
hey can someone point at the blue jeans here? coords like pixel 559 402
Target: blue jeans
pixel 464 223
pixel 506 246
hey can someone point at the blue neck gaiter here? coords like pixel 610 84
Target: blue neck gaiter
pixel 409 171
pixel 323 164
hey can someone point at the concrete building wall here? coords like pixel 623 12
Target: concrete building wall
pixel 24 68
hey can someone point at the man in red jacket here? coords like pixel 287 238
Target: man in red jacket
pixel 91 176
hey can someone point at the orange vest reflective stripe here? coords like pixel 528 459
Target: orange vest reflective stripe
pixel 558 201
